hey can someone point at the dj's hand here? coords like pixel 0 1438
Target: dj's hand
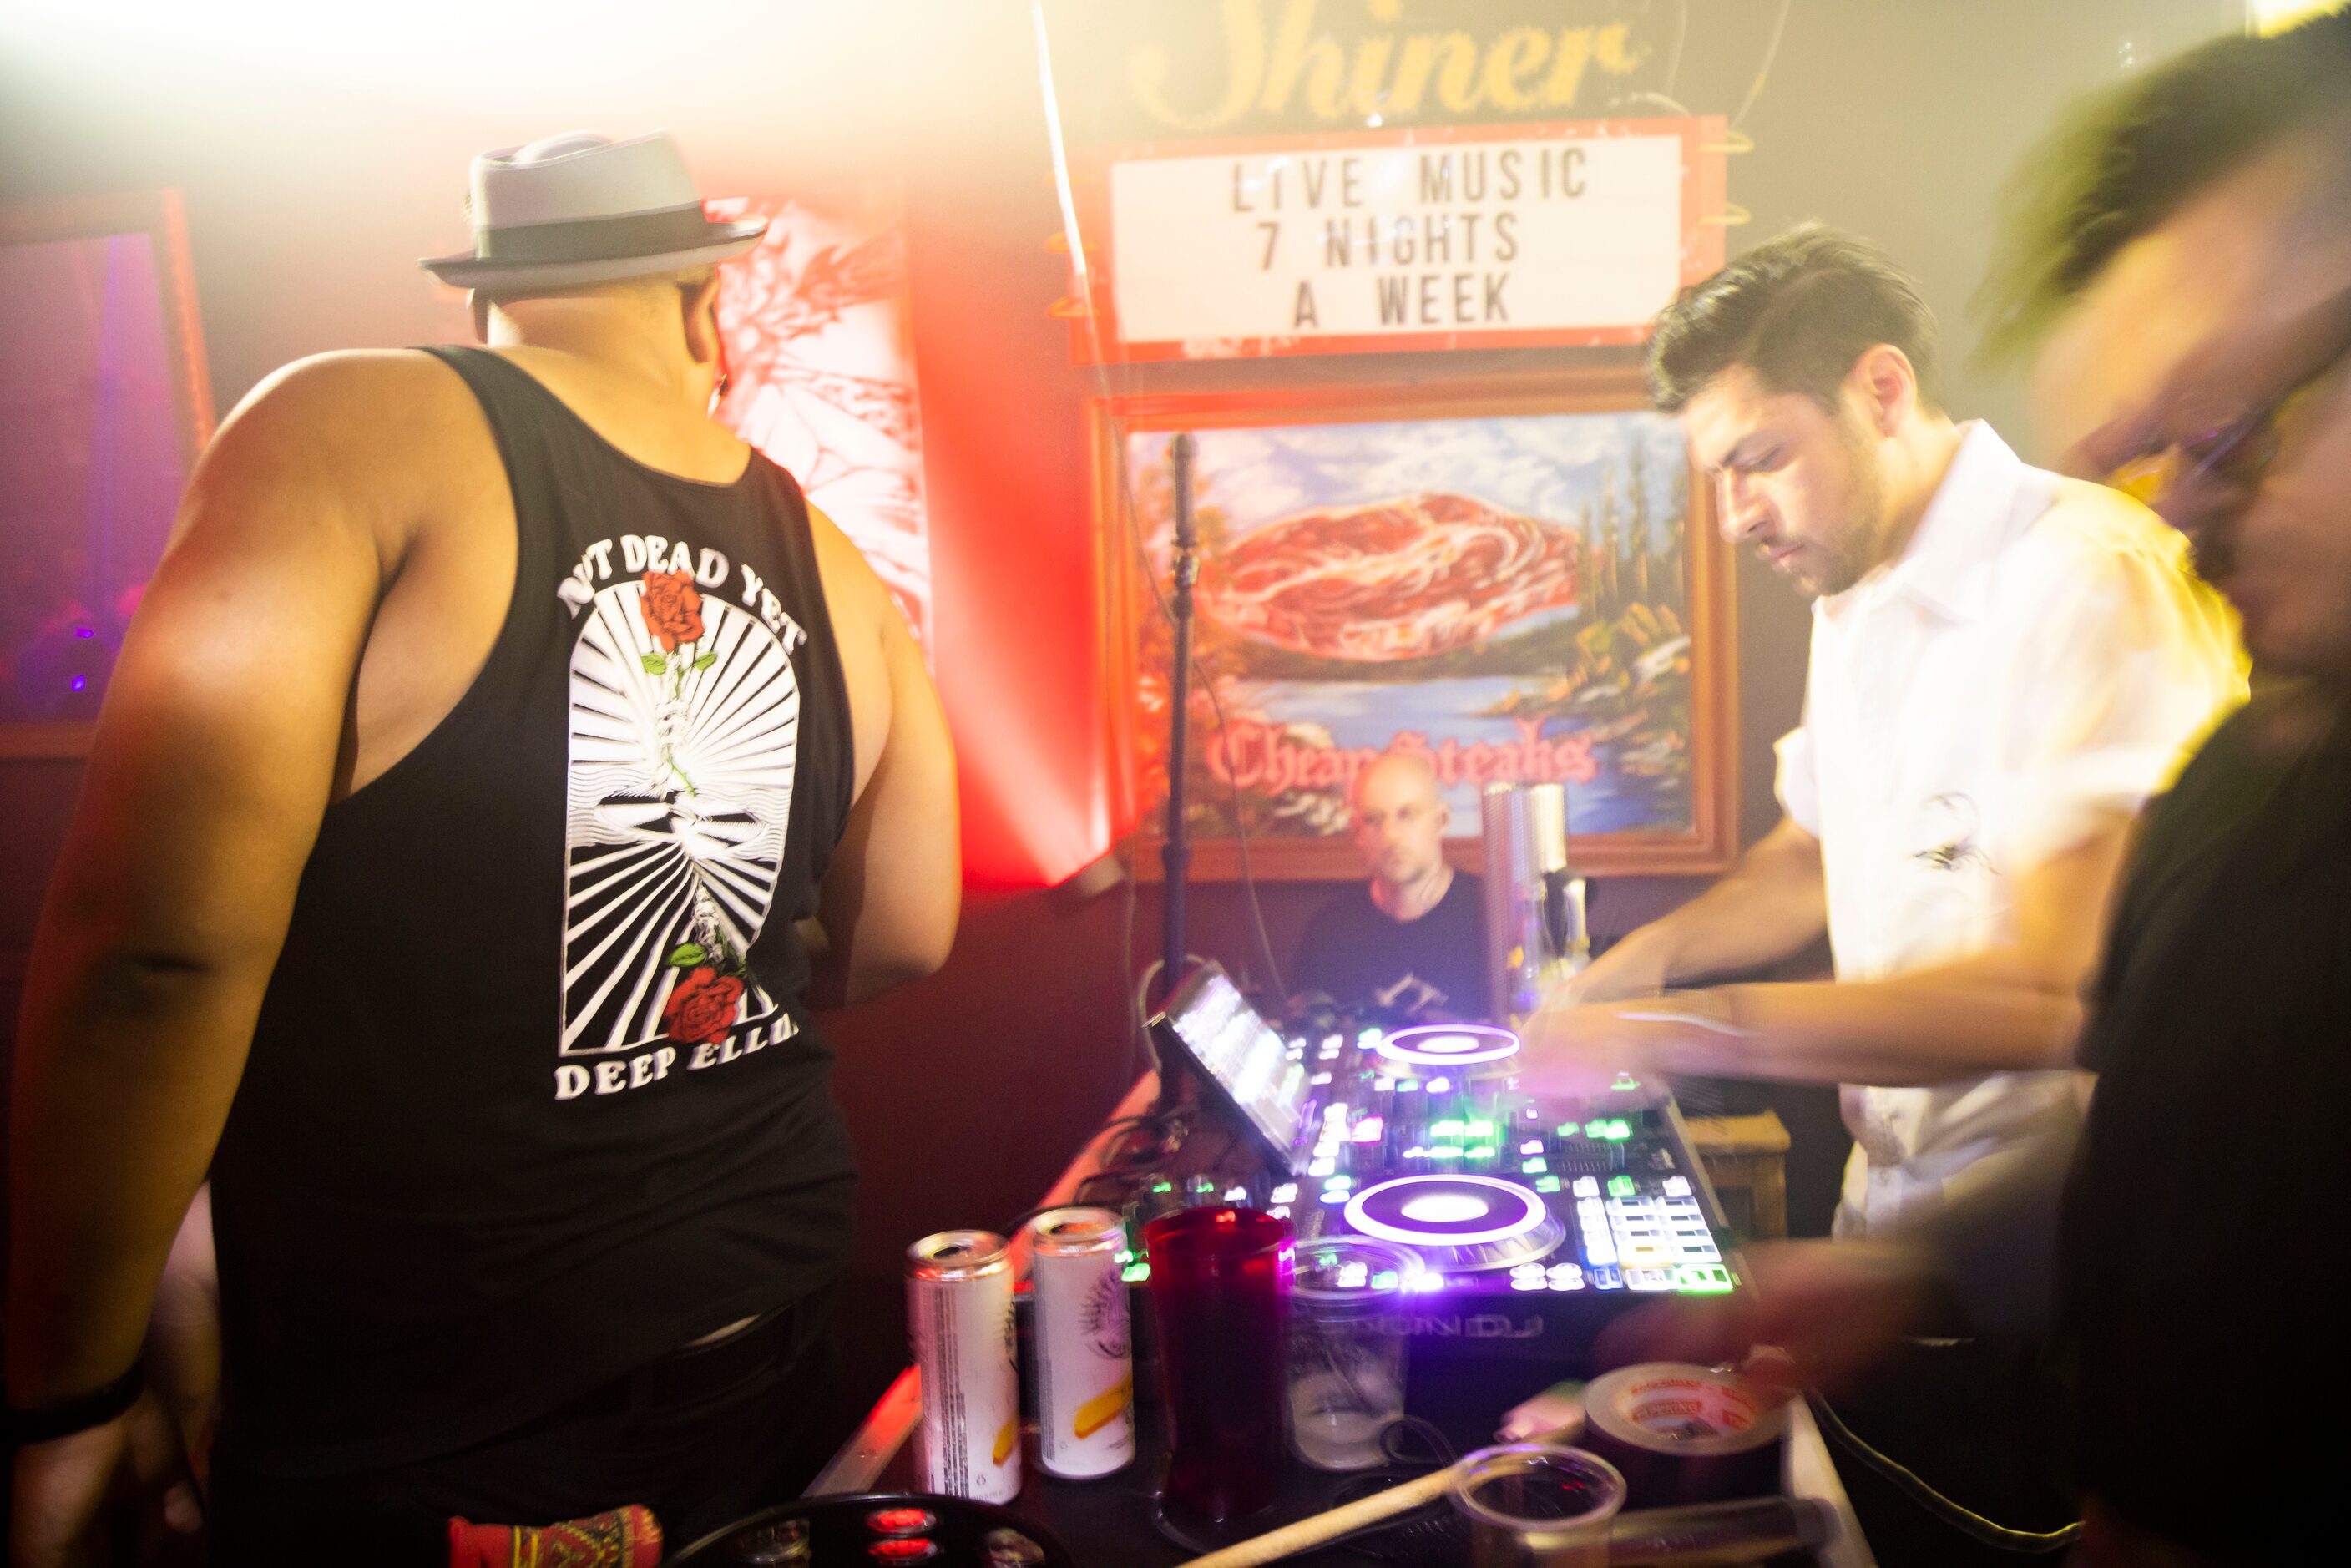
pixel 1568 1052
pixel 1636 966
pixel 1579 1051
pixel 1835 1307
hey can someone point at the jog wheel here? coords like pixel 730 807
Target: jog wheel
pixel 1462 1050
pixel 1459 1223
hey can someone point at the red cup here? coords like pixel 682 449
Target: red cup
pixel 1220 1290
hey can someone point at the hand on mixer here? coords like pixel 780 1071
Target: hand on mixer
pixel 1638 965
pixel 1577 1048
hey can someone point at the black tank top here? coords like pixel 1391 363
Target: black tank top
pixel 534 1097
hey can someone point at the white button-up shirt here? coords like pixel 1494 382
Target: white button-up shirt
pixel 2039 654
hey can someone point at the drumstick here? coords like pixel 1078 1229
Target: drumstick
pixel 1306 1534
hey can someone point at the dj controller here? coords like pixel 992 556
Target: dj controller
pixel 1536 1221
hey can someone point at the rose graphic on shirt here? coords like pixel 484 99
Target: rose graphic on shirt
pixel 685 744
pixel 671 608
pixel 702 1009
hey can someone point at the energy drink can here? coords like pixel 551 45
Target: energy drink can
pixel 960 1315
pixel 1085 1377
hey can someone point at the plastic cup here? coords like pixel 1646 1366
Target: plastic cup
pixel 1219 1291
pixel 1532 1506
pixel 1346 1349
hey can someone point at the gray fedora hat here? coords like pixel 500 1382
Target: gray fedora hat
pixel 580 208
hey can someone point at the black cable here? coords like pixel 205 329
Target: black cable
pixel 1770 53
pixel 1960 1517
pixel 1139 1046
pixel 1240 837
pixel 1440 1447
pixel 1401 1466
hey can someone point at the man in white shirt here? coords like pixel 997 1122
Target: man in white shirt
pixel 2005 665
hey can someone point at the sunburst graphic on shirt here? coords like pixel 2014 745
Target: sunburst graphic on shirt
pixel 684 737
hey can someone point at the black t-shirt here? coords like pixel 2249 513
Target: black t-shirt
pixel 1432 967
pixel 2207 1266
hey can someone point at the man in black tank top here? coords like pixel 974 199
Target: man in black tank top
pixel 492 727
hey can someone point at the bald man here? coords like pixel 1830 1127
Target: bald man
pixel 1411 942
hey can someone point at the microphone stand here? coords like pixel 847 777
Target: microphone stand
pixel 1176 852
pixel 1175 849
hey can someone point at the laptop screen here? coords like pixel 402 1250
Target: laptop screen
pixel 1262 1075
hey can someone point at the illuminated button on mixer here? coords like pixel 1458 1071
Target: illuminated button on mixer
pixel 1587 1187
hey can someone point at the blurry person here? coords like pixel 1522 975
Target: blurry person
pixel 1411 942
pixel 2184 258
pixel 492 721
pixel 2004 663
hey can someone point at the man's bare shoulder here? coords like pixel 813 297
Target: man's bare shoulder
pixel 384 437
pixel 373 395
pixel 860 606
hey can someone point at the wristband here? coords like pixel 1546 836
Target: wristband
pixel 78 1413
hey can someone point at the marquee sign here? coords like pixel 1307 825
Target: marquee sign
pixel 1436 237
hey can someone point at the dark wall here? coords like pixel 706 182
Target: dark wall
pixel 308 197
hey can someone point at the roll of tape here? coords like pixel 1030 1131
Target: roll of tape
pixel 1684 1434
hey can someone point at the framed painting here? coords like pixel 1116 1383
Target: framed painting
pixel 103 370
pixel 1519 578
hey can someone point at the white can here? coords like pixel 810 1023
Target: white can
pixel 1085 1374
pixel 959 1316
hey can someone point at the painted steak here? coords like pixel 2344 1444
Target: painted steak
pixel 1399 579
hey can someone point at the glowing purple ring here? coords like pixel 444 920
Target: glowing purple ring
pixel 1395 1047
pixel 1366 1225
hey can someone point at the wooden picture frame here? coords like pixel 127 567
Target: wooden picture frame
pixel 116 435
pixel 1628 680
